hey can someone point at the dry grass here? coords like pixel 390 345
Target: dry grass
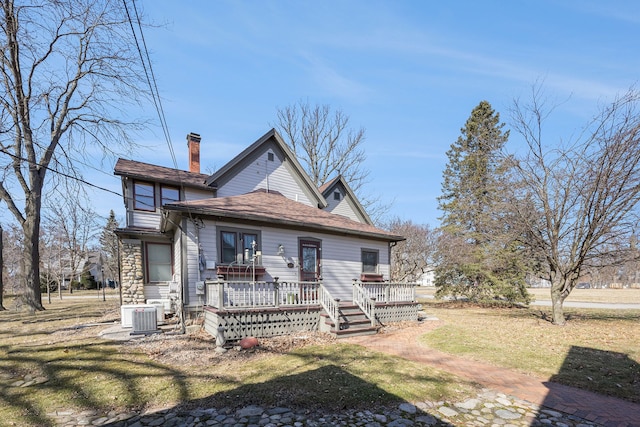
pixel 613 296
pixel 597 350
pixel 54 361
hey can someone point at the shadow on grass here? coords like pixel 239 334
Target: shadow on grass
pixel 620 376
pixel 82 376
pixel 317 393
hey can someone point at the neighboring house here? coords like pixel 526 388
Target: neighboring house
pixel 256 236
pixel 428 278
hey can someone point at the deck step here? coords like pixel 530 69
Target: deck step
pixel 346 333
pixel 353 322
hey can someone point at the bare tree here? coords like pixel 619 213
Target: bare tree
pixel 1 269
pixel 581 196
pixel 69 69
pixel 12 248
pixel 413 257
pixel 323 142
pixel 70 229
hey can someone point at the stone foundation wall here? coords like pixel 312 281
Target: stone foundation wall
pixel 132 279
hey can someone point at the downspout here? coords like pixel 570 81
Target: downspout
pixel 184 275
pixel 391 245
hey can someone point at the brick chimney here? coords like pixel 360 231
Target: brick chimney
pixel 193 142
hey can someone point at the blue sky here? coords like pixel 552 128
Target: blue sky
pixel 409 72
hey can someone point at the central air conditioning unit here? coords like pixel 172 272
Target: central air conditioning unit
pixel 144 321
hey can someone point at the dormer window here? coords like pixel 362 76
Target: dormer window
pixel 336 195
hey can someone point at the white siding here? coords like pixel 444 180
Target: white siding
pixel 194 194
pixel 341 256
pixel 146 219
pixel 155 292
pixel 208 243
pixel 193 272
pixel 341 207
pixel 205 238
pixel 265 174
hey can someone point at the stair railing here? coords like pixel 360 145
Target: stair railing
pixel 330 305
pixel 366 303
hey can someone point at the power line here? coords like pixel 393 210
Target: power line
pixel 151 80
pixel 66 175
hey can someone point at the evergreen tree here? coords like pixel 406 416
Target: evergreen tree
pixel 479 257
pixel 109 247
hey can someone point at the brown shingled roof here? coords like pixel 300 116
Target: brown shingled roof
pixel 275 209
pixel 149 172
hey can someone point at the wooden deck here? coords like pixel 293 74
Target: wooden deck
pixel 264 309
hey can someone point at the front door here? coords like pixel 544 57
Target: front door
pixel 309 260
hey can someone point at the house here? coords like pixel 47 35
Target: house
pixel 256 246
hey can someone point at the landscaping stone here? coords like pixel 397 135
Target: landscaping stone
pixel 491 411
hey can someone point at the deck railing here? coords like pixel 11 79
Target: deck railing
pixel 223 294
pixel 387 292
pixel 367 304
pixel 248 294
pixel 331 306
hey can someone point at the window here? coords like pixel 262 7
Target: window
pixel 336 195
pixel 143 196
pixel 238 246
pixel 169 194
pixel 228 247
pixel 270 156
pixel 369 261
pixel 159 265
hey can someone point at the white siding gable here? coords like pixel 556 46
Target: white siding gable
pixel 262 173
pixel 342 206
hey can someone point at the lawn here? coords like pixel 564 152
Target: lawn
pixel 54 360
pixel 597 350
pixel 613 296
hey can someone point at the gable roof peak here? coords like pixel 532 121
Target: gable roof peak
pixel 271 136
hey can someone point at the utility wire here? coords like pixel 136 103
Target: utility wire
pixel 23 159
pixel 151 80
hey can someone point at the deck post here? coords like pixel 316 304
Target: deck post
pixel 387 292
pixel 220 293
pixel 276 292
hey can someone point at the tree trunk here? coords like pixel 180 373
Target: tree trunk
pixel 31 253
pixel 557 300
pixel 1 269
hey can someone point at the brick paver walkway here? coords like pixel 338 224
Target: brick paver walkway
pixel 608 411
